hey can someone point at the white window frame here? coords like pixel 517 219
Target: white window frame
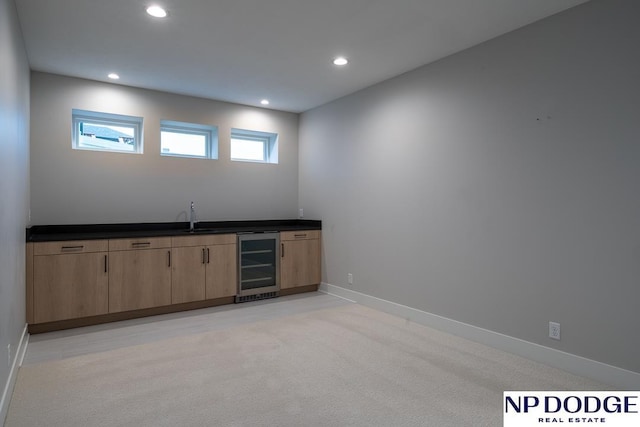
pixel 209 132
pixel 269 139
pixel 79 116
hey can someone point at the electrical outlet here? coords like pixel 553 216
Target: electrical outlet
pixel 350 279
pixel 554 330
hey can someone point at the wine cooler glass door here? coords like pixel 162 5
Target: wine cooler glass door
pixel 259 269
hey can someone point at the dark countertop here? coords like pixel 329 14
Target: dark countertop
pixel 49 233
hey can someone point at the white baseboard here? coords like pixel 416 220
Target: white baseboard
pixel 587 368
pixel 13 375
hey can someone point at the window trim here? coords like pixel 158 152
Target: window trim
pixel 270 144
pixel 208 131
pixel 79 116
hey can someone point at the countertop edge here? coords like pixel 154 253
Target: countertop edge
pixel 49 233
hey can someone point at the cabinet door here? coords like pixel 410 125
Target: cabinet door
pixel 222 271
pixel 139 279
pixel 299 263
pixel 188 274
pixel 69 286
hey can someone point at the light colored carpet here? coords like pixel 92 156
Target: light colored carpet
pixel 345 366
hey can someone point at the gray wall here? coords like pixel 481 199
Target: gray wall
pixel 77 186
pixel 14 183
pixel 497 187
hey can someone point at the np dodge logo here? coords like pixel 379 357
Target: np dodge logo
pixel 540 408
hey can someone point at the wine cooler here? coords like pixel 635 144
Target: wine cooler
pixel 258 266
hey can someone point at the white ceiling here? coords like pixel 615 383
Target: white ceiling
pixel 245 50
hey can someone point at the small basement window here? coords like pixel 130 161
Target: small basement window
pixel 188 140
pixel 254 146
pixel 106 132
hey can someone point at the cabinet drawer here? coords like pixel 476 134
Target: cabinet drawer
pixel 300 235
pixel 203 240
pixel 141 243
pixel 70 247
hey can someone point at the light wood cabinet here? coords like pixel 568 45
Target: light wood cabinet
pixel 139 273
pixel 82 281
pixel 188 273
pixel 299 258
pixel 204 267
pixel 222 271
pixel 69 280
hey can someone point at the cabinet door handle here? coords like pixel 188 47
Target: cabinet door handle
pixel 140 244
pixel 106 263
pixel 72 248
pixel 208 256
pixel 169 257
pixel 281 250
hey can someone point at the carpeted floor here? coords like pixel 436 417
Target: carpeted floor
pixel 345 366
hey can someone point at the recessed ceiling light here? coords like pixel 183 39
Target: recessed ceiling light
pixel 340 60
pixel 264 102
pixel 156 11
pixel 113 76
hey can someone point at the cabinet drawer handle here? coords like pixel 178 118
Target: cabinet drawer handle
pixel 140 244
pixel 72 248
pixel 300 236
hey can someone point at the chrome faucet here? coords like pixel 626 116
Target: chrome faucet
pixel 192 217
